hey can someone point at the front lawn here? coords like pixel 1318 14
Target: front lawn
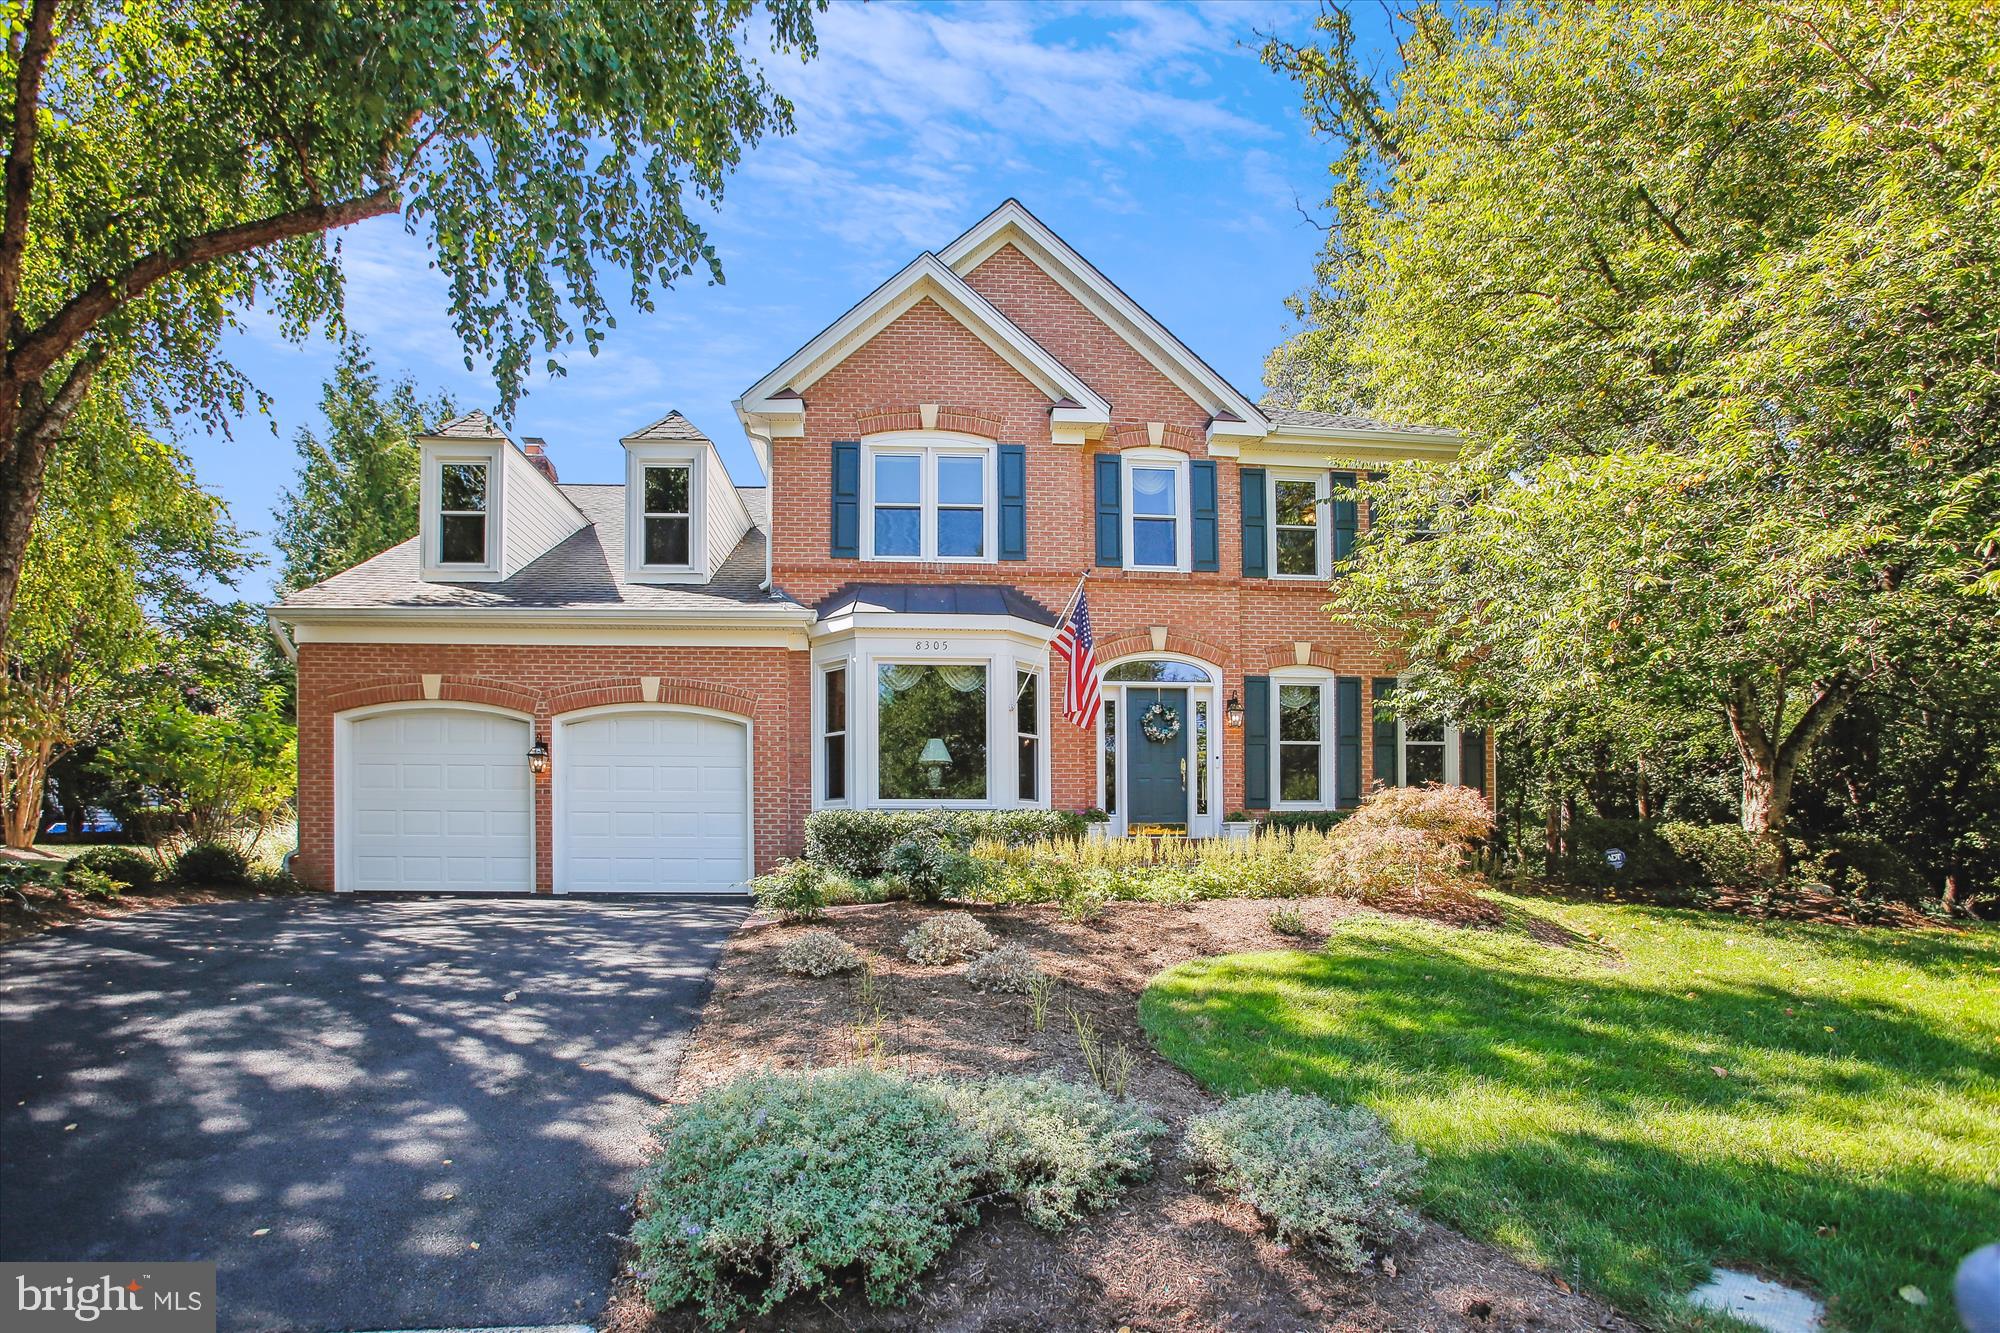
pixel 1669 1090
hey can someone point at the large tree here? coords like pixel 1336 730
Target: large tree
pixel 1708 289
pixel 357 488
pixel 170 162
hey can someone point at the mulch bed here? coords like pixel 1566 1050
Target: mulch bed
pixel 1167 1255
pixel 47 910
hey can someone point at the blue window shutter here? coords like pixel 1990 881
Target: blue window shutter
pixel 1110 512
pixel 1343 516
pixel 1013 502
pixel 1347 740
pixel 1472 759
pixel 1386 768
pixel 1207 541
pixel 846 531
pixel 1257 742
pixel 1255 557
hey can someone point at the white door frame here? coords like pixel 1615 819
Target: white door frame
pixel 343 771
pixel 1198 826
pixel 558 770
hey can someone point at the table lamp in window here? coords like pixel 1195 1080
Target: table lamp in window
pixel 935 759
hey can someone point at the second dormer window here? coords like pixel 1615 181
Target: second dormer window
pixel 669 514
pixel 462 514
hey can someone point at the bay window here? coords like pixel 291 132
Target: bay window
pixel 833 733
pixel 930 732
pixel 929 501
pixel 1027 735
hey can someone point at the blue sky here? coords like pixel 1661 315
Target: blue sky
pixel 1148 136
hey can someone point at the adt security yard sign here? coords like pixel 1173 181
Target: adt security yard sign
pixel 1615 857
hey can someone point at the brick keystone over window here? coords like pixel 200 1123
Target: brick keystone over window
pixel 1172 437
pixel 965 420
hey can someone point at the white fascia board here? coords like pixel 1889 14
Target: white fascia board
pixel 1012 222
pixel 904 622
pixel 923 277
pixel 776 616
pixel 1358 446
pixel 568 635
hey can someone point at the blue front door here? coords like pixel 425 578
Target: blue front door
pixel 1156 770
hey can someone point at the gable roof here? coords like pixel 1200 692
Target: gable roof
pixel 672 426
pixel 474 425
pixel 1011 223
pixel 924 277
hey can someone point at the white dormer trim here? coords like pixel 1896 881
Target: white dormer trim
pixel 693 455
pixel 436 454
pixel 1012 224
pixel 773 409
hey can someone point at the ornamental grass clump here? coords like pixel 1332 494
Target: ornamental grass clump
pixel 1327 1177
pixel 818 953
pixel 939 941
pixel 1057 1149
pixel 1009 969
pixel 1410 849
pixel 779 1184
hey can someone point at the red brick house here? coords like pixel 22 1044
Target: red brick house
pixel 649 685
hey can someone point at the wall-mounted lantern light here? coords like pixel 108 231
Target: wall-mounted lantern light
pixel 538 757
pixel 1232 713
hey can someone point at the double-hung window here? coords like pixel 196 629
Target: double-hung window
pixel 1298 524
pixel 462 505
pixel 1156 512
pixel 930 502
pixel 1426 755
pixel 833 731
pixel 1027 734
pixel 1302 735
pixel 668 517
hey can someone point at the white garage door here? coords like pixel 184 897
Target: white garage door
pixel 652 801
pixel 438 800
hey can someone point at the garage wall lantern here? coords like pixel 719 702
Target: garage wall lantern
pixel 538 757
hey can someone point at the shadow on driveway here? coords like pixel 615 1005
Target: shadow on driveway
pixel 351 1076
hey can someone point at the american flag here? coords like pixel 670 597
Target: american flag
pixel 1076 646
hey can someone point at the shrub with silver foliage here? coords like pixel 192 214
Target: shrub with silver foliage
pixel 818 953
pixel 938 941
pixel 1009 968
pixel 1325 1176
pixel 1057 1149
pixel 777 1184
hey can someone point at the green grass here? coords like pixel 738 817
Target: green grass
pixel 1568 1101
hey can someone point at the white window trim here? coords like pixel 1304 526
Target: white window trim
pixel 929 446
pixel 1183 509
pixel 639 457
pixel 1322 513
pixel 863 651
pixel 1451 765
pixel 1040 735
pixel 1329 736
pixel 431 527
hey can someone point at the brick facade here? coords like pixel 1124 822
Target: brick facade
pixel 924 363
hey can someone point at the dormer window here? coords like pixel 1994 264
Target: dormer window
pixel 669 515
pixel 462 508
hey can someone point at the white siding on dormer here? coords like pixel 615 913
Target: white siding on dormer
pixel 539 516
pixel 728 519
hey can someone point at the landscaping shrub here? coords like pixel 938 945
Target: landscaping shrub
pixel 818 953
pixel 932 865
pixel 795 891
pixel 1009 969
pixel 1863 863
pixel 212 864
pixel 1722 855
pixel 1410 849
pixel 938 941
pixel 1321 820
pixel 136 870
pixel 776 1184
pixel 858 842
pixel 1325 1176
pixel 1057 1149
pixel 91 882
pixel 1288 921
pixel 1084 875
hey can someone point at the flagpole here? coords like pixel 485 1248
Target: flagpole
pixel 1071 604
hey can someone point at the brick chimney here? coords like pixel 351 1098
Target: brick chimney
pixel 537 450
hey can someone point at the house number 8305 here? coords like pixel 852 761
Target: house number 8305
pixel 933 645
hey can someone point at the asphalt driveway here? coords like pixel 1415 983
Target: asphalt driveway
pixel 413 1113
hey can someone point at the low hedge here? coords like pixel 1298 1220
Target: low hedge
pixel 859 842
pixel 135 870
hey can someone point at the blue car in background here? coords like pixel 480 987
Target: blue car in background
pixel 94 821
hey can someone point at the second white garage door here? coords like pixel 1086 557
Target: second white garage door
pixel 652 801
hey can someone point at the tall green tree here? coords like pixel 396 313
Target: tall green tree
pixel 170 162
pixel 1707 288
pixel 356 494
pixel 114 603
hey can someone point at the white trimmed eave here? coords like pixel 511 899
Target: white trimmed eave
pixel 785 627
pixel 772 408
pixel 1012 223
pixel 906 622
pixel 1313 445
